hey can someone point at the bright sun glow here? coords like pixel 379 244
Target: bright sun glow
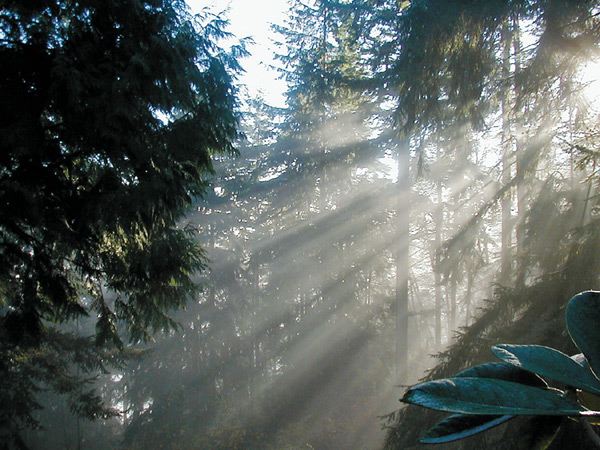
pixel 590 76
pixel 407 199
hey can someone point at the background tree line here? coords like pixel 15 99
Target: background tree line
pixel 431 182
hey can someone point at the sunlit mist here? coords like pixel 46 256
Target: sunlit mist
pixel 346 249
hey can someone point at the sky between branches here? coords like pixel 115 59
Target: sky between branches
pixel 253 19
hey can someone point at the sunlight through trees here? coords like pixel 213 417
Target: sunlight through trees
pixel 203 270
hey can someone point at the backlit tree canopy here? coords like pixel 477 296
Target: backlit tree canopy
pixel 110 114
pixel 449 61
pixel 431 186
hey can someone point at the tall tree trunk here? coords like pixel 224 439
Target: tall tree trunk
pixel 518 145
pixel 506 202
pixel 469 298
pixel 519 128
pixel 402 261
pixel 438 222
pixel 452 285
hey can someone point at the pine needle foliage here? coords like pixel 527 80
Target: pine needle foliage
pixel 110 114
pixel 442 59
pixel 448 65
pixel 528 315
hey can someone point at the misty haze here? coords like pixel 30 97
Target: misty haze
pixel 186 264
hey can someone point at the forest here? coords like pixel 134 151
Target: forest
pixel 185 266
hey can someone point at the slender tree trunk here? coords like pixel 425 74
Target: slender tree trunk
pixel 468 298
pixel 415 295
pixel 402 262
pixel 78 418
pixel 506 202
pixel 452 306
pixel 438 220
pixel 369 294
pixel 521 192
pixel 255 373
pixel 438 292
pixel 519 139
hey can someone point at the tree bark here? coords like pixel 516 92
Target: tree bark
pixel 402 262
pixel 506 202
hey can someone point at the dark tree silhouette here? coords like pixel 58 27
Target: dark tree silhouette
pixel 111 112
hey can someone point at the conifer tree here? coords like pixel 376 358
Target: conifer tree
pixel 451 70
pixel 111 112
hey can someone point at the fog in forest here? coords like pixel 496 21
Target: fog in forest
pixel 406 187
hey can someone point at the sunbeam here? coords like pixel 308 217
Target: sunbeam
pixel 222 233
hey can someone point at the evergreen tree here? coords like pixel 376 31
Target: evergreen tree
pixel 291 331
pixel 111 113
pixel 462 66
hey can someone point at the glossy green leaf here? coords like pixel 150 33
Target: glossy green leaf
pixel 491 397
pixel 459 426
pixel 583 317
pixel 503 371
pixel 550 363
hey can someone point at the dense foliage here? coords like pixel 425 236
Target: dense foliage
pixel 429 152
pixel 490 394
pixel 522 97
pixel 111 113
pixel 282 337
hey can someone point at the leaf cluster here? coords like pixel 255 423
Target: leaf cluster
pixel 485 396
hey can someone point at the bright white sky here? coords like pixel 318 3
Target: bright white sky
pixel 254 18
